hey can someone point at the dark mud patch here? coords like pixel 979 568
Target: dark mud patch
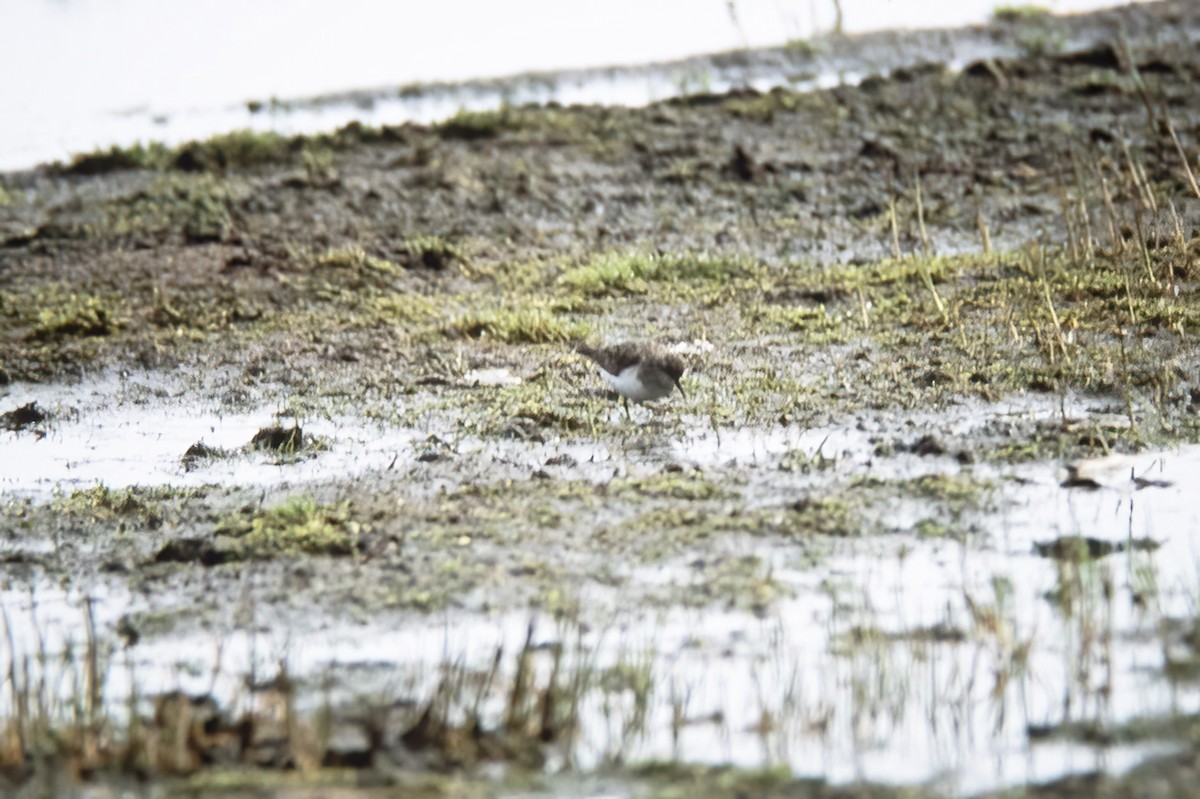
pixel 1085 548
pixel 279 439
pixel 199 453
pixel 24 418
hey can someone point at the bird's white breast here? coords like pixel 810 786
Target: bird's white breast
pixel 627 384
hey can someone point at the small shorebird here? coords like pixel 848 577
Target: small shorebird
pixel 637 372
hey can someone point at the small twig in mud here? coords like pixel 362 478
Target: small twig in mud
pixel 1180 242
pixel 1187 167
pixel 927 278
pixel 1131 67
pixel 1068 217
pixel 924 232
pixel 1133 320
pixel 92 674
pixel 1045 284
pixel 982 224
pixel 1081 208
pixel 1145 194
pixel 1144 248
pixel 1116 240
pixel 895 228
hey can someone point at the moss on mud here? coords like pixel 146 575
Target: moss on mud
pixel 297 526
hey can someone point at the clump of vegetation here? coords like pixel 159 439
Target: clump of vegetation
pixel 631 272
pixel 470 125
pixel 317 161
pixel 802 48
pixel 431 252
pixel 154 155
pixel 355 258
pixel 351 275
pixel 279 439
pixel 206 215
pixel 298 526
pixel 63 314
pixel 815 322
pixel 136 505
pixel 525 325
pixel 822 516
pixel 404 308
pixel 235 150
pixel 196 207
pixel 101 501
pixel 357 269
pixel 1019 12
pixel 24 417
pixel 958 491
pixel 676 485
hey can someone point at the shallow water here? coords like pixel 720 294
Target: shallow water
pixel 892 657
pixel 95 74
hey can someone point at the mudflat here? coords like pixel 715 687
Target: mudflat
pixel 307 492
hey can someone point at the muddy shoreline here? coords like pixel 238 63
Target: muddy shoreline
pixel 304 484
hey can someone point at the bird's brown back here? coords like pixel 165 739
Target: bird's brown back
pixel 615 358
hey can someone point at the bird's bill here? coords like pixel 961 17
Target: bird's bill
pixel 679 386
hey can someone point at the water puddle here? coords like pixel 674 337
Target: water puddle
pixel 959 660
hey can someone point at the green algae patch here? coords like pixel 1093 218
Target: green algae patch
pixel 352 275
pixel 298 526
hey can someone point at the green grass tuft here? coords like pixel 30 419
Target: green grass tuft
pixel 632 272
pixel 64 315
pixel 1016 12
pixel 235 150
pixel 529 325
pixel 298 526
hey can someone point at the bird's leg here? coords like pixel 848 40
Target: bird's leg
pixel 626 401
